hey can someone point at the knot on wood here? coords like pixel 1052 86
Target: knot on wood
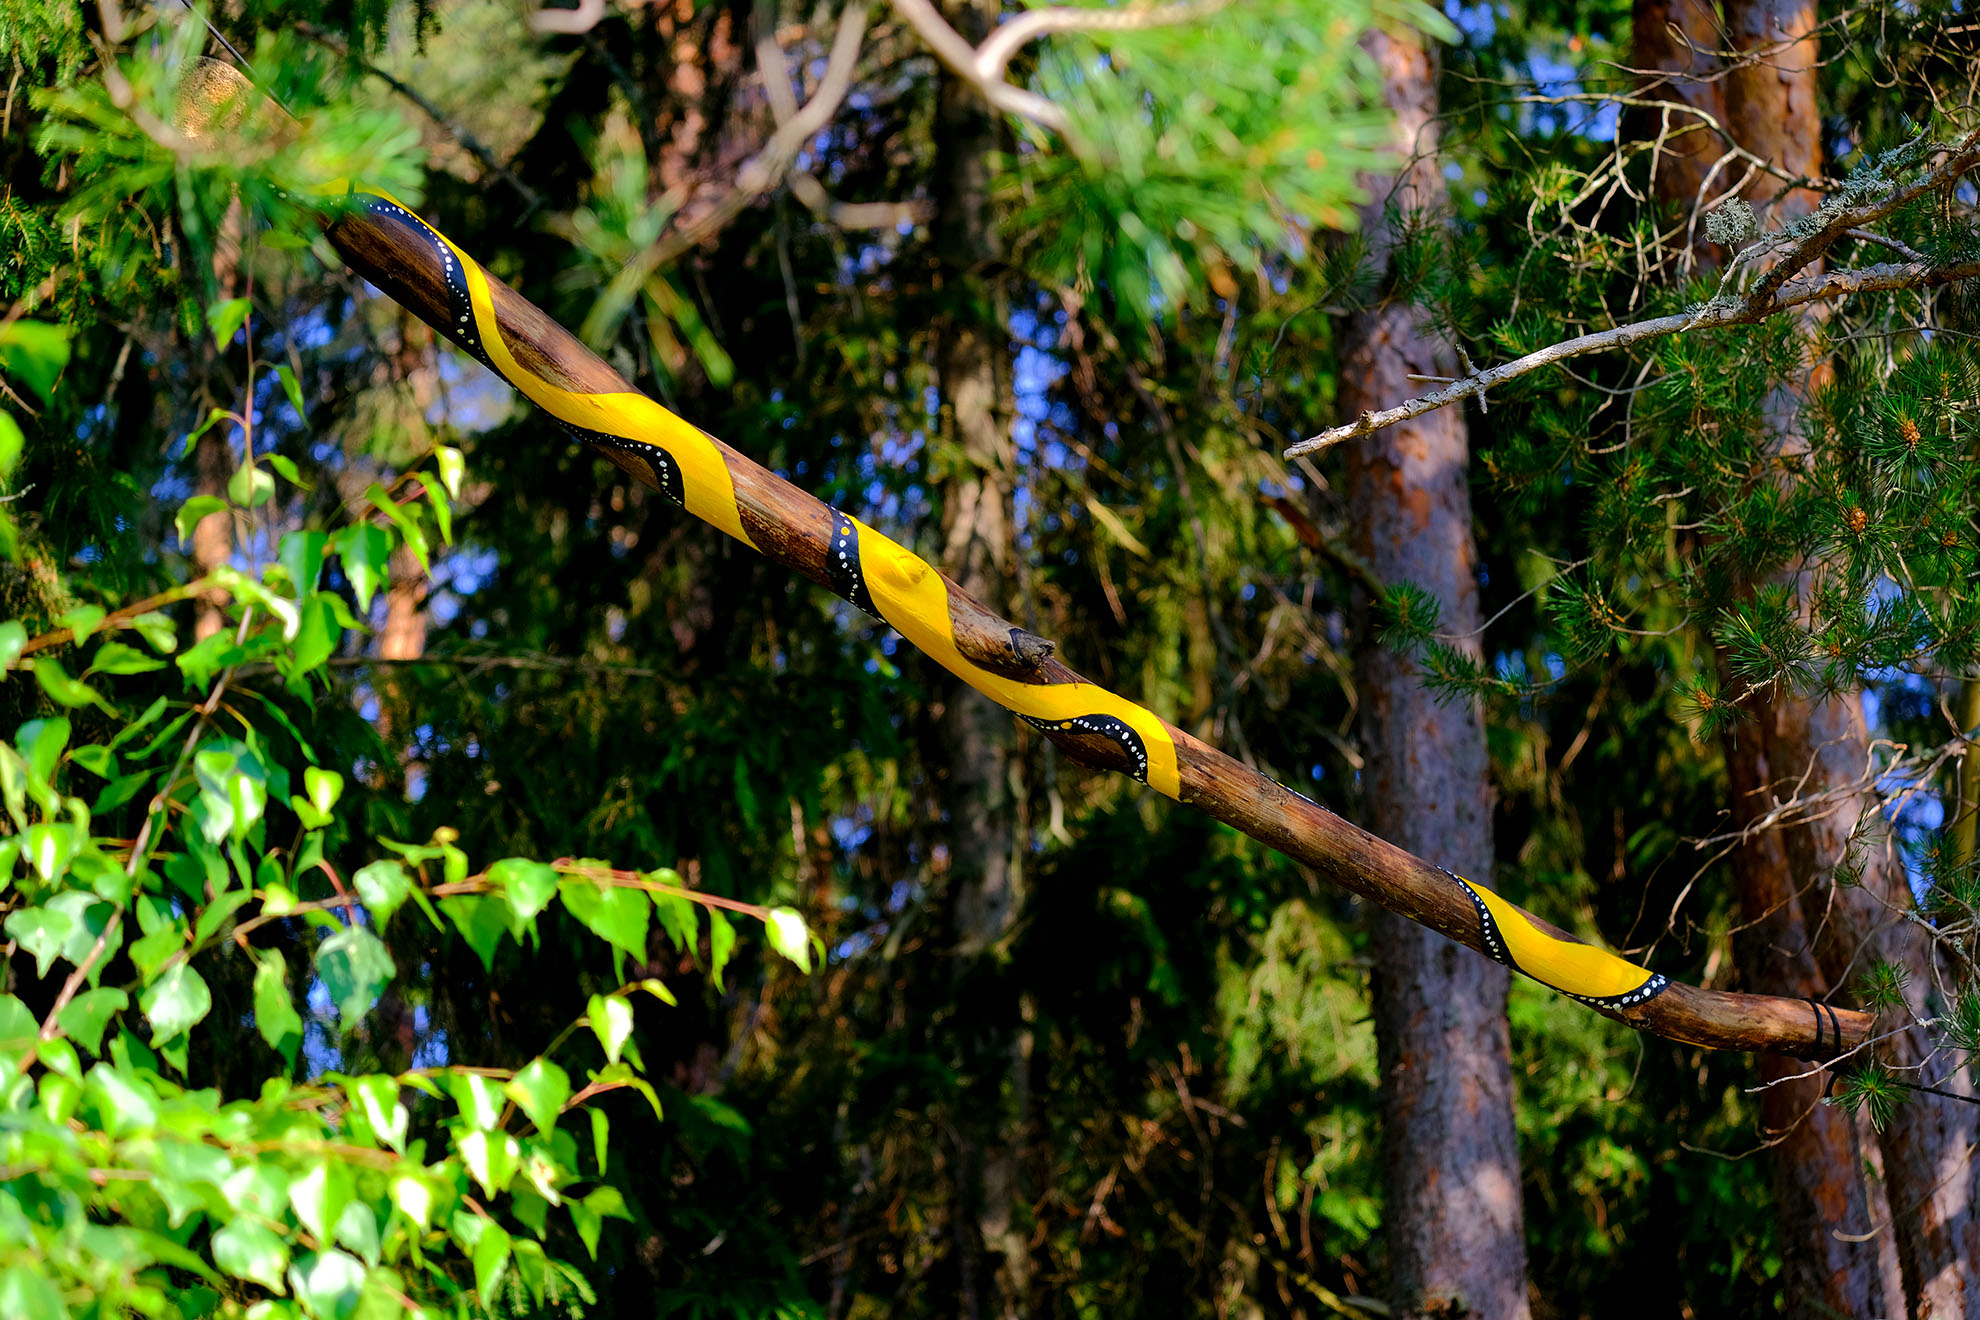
pixel 1029 649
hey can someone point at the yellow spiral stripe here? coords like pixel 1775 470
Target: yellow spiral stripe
pixel 910 596
pixel 913 598
pixel 1574 968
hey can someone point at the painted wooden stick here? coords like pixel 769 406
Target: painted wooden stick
pixel 415 265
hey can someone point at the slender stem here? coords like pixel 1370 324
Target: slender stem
pixel 1966 826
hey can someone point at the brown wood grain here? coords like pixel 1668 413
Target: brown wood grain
pixel 794 528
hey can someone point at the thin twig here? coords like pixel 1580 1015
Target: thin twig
pixel 1774 292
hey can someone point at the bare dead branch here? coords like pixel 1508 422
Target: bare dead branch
pixel 768 168
pixel 1773 293
pixel 994 55
pixel 960 58
pixel 569 22
pixel 983 67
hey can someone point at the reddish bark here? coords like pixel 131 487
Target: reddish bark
pixel 1677 39
pixel 1815 747
pixel 1454 1223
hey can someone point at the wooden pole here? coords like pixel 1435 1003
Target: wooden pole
pixel 405 259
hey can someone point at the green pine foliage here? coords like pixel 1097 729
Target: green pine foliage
pixel 374 1024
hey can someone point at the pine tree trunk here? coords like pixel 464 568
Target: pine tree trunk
pixel 1454 1222
pixel 213 535
pixel 978 742
pixel 1815 1160
pixel 1677 38
pixel 1786 876
pixel 1928 1145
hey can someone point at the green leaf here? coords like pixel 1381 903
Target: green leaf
pixel 82 621
pixel 201 660
pixel 119 791
pixel 213 417
pixel 540 1091
pixel 152 952
pixel 492 1157
pixel 286 468
pixel 319 1197
pixel 26 1295
pixel 301 556
pixel 354 966
pixel 721 943
pixel 226 318
pixel 275 1015
pixel 415 539
pixel 482 919
pixel 233 788
pixel 250 487
pixel 117 658
pixel 50 849
pixel 91 915
pixel 677 914
pixel 376 1114
pixel 42 743
pixel 323 788
pixel 123 1100
pixel 601 1135
pixel 789 937
pixel 611 1019
pixel 248 1249
pixel 608 1203
pixel 622 1074
pixel 12 442
pixel 529 886
pixel 317 633
pixel 615 913
pixel 260 1188
pixel 329 1283
pixel 291 388
pixel 158 630
pixel 443 516
pixel 452 467
pixel 176 1002
pixel 63 690
pixel 85 1016
pixel 587 1223
pixel 216 914
pixel 190 515
pixel 12 638
pixel 18 1030
pixel 97 759
pixel 413 1198
pixel 491 1256
pixel 357 1228
pixel 42 932
pixel 364 550
pixel 34 352
pixel 383 885
pixel 478 1098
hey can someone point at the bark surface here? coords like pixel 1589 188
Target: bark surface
pixel 1453 1217
pixel 1813 937
pixel 979 749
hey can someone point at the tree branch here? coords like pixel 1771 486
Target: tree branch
pixel 1775 292
pixel 797 529
pixel 767 168
pixel 961 59
pixel 993 57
